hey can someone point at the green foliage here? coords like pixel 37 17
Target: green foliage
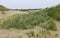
pixel 54 12
pixel 25 21
pixel 49 25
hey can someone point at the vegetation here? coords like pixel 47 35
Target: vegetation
pixel 2 8
pixel 42 33
pixel 26 21
pixel 43 18
pixel 54 12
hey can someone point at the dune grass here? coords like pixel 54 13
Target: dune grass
pixel 27 21
pixel 54 12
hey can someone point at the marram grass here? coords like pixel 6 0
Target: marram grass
pixel 27 21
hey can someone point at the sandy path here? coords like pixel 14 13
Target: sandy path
pixel 58 28
pixel 58 25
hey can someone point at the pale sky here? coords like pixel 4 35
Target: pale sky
pixel 26 4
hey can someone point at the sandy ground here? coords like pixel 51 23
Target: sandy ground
pixel 58 28
pixel 56 34
pixel 16 33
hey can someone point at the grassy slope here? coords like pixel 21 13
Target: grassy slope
pixel 2 8
pixel 54 12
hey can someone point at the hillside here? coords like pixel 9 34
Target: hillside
pixel 2 8
pixel 54 12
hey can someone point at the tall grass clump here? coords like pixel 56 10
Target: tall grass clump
pixel 26 21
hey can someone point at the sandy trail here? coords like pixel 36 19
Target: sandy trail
pixel 58 28
pixel 58 25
